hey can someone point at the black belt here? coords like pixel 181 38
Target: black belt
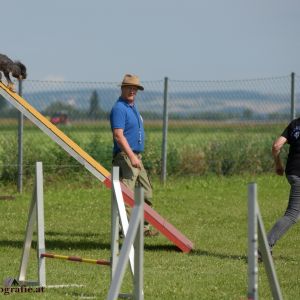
pixel 136 152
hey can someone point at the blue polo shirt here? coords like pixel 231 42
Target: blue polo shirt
pixel 128 118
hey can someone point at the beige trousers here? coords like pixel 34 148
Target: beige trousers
pixel 133 177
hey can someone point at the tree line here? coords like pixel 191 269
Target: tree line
pixel 95 112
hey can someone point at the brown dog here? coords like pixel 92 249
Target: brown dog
pixel 15 68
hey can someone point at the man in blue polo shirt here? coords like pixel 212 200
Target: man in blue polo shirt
pixel 128 135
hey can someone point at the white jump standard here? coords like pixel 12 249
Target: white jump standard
pixel 257 236
pixel 132 250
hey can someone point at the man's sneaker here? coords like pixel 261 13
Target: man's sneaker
pixel 150 233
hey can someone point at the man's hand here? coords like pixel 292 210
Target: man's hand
pixel 122 141
pixel 279 169
pixel 276 148
pixel 136 163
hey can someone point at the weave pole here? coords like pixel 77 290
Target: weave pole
pixel 134 236
pixel 77 259
pixel 257 235
pixel 252 242
pixel 35 218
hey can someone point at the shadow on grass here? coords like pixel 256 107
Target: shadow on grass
pixel 57 244
pixel 168 248
pixel 235 257
pixel 52 245
pixel 68 234
pixel 80 245
pixel 11 244
pixel 199 252
pixel 83 245
pixel 54 240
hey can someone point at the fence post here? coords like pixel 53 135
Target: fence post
pixel 293 112
pixel 165 134
pixel 20 145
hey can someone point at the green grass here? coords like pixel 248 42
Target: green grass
pixel 209 210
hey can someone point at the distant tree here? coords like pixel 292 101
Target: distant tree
pixel 95 110
pixel 3 103
pixel 278 116
pixel 248 114
pixel 59 107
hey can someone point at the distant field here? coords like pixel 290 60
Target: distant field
pixel 194 147
pixel 189 129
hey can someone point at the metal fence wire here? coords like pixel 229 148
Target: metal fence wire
pixel 223 127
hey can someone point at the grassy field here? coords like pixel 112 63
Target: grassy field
pixel 209 210
pixel 194 147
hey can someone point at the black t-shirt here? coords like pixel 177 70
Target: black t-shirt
pixel 292 134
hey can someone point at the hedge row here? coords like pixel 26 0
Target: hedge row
pixel 225 157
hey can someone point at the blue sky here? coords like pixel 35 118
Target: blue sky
pixel 97 40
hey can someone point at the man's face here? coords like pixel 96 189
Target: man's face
pixel 129 92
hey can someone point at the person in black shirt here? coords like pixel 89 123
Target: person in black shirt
pixel 291 136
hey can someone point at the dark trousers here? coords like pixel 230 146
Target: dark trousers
pixel 292 213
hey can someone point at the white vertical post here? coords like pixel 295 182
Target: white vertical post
pixel 138 280
pixel 28 238
pixel 293 111
pixel 257 234
pixel 252 243
pixel 20 144
pixel 134 224
pixel 267 259
pixel 35 217
pixel 40 224
pixel 118 196
pixel 115 221
pixel 165 134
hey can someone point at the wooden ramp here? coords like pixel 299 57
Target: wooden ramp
pixel 93 166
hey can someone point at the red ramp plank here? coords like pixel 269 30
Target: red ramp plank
pixel 161 224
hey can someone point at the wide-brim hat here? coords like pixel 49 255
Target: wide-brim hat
pixel 133 80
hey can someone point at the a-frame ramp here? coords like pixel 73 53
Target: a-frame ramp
pixel 93 166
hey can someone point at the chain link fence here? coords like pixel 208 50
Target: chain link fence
pixel 223 127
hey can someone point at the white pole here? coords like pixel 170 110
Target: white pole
pixel 118 196
pixel 134 224
pixel 252 243
pixel 40 223
pixel 165 134
pixel 114 224
pixel 267 259
pixel 20 145
pixel 138 279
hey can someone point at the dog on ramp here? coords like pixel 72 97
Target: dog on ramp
pixel 14 68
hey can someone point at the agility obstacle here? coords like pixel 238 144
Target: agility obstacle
pixel 162 225
pixel 77 259
pixel 132 250
pixel 257 235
